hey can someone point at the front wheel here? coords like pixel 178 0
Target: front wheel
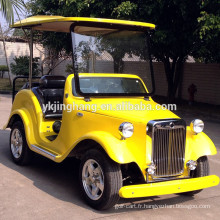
pixel 202 169
pixel 100 180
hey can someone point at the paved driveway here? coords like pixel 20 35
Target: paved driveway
pixel 45 190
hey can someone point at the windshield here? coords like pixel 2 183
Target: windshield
pixel 108 85
pixel 104 50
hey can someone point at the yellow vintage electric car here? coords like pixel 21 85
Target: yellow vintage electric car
pixel 104 115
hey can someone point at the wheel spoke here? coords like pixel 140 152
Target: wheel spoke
pixel 16 150
pixel 20 149
pixel 91 168
pixel 94 190
pixel 97 171
pixel 13 149
pixel 85 179
pixel 100 185
pixel 20 140
pixel 16 136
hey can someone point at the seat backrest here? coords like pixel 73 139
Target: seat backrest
pixel 50 92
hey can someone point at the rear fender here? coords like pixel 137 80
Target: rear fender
pixel 27 122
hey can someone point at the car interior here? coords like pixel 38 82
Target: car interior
pixel 50 91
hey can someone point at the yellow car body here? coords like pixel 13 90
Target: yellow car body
pixel 102 127
pixel 81 126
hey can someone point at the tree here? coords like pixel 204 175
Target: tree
pixel 21 66
pixel 52 40
pixel 178 33
pixel 209 32
pixel 7 7
pixel 120 44
pixel 6 57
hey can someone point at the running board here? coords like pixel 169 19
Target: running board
pixel 44 152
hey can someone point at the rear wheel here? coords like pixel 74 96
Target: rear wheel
pixel 20 152
pixel 202 169
pixel 100 180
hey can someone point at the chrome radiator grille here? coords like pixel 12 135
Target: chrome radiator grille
pixel 169 147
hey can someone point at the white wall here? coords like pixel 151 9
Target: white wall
pixel 206 77
pixel 19 49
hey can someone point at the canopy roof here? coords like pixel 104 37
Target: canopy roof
pixel 62 24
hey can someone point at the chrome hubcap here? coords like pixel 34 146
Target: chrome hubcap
pixel 93 179
pixel 16 143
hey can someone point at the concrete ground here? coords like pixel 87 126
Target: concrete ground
pixel 45 190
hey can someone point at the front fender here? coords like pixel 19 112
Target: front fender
pixel 116 149
pixel 198 145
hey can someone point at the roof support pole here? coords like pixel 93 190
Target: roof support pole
pixel 31 58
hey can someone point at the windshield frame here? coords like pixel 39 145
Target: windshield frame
pixel 145 30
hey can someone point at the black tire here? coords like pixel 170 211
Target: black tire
pixel 112 180
pixel 26 154
pixel 202 169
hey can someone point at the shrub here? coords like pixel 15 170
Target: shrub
pixel 3 68
pixel 21 66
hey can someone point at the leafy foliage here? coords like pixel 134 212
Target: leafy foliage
pixel 9 7
pixel 3 68
pixel 69 68
pixel 21 66
pixel 209 32
pixel 52 40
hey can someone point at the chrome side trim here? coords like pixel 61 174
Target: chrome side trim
pixel 44 152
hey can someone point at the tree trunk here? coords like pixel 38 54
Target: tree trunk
pixel 174 73
pixel 6 57
pixel 118 65
pixel 180 87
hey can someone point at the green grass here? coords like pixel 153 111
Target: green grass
pixel 6 87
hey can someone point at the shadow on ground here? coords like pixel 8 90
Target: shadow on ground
pixel 61 181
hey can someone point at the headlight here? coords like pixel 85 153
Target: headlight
pixel 126 129
pixel 197 126
pixel 191 164
pixel 151 169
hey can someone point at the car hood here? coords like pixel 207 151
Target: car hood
pixel 129 109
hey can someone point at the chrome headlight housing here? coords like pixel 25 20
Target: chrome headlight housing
pixel 126 129
pixel 151 169
pixel 197 126
pixel 191 164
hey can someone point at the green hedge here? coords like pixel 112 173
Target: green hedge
pixel 3 68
